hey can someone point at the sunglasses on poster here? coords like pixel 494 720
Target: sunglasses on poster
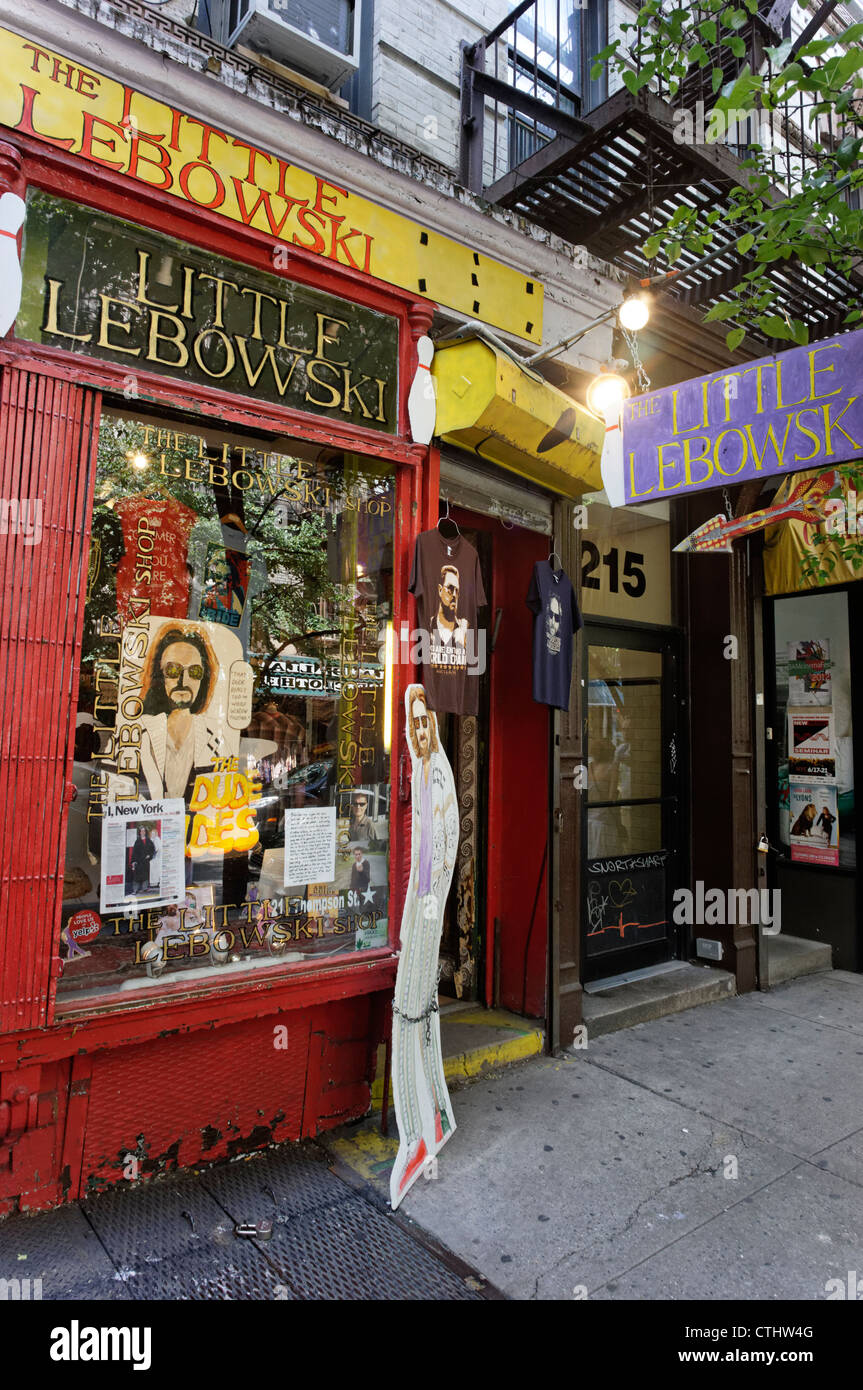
pixel 173 670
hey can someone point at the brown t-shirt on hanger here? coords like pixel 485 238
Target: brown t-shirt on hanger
pixel 447 585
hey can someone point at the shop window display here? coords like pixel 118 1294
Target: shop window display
pixel 232 760
pixel 813 729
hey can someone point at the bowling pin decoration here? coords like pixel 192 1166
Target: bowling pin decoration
pixel 611 463
pixel 11 219
pixel 421 397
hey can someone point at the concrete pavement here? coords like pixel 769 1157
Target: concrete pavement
pixel 715 1154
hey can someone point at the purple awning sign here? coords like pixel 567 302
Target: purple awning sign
pixel 796 410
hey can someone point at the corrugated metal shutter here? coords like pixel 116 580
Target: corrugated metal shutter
pixel 494 493
pixel 48 436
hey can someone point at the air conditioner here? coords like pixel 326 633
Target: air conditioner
pixel 320 38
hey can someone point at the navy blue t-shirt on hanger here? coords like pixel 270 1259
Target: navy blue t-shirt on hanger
pixel 552 599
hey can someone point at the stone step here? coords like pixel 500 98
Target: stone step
pixel 791 956
pixel 474 1041
pixel 622 1006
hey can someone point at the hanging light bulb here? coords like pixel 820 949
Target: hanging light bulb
pixel 606 392
pixel 634 312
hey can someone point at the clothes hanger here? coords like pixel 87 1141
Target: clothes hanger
pixel 556 572
pixel 446 517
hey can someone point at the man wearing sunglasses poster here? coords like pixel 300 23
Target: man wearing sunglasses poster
pixel 182 733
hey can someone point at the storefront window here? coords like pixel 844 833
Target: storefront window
pixel 813 728
pixel 232 745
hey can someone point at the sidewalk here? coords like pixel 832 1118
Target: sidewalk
pixel 608 1173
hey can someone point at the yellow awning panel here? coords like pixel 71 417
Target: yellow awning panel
pixel 487 403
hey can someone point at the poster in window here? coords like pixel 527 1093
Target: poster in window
pixel 814 817
pixel 809 672
pixel 811 745
pixel 177 705
pixel 225 586
pixel 142 854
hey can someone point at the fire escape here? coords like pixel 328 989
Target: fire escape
pixel 541 137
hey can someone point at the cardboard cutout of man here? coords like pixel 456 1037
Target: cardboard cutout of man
pixel 423 1107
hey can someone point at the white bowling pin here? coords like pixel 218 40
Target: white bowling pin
pixel 11 218
pixel 421 397
pixel 611 463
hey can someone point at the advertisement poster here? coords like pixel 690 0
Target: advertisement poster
pixel 226 586
pixel 180 682
pixel 809 672
pixel 810 734
pixel 142 855
pixel 814 823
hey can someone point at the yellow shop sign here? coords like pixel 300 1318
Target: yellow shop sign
pixel 49 97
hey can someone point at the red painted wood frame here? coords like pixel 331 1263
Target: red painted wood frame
pixel 49 414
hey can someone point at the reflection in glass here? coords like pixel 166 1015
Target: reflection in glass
pixel 621 830
pixel 624 724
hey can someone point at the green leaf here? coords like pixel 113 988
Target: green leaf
pixel 775 327
pixel 738 94
pixel 734 338
pixel 673 251
pixel 606 52
pixel 630 81
pixel 779 54
pixel 846 67
pixel 716 79
pixel 746 243
pixel 814 255
pixel 848 151
pixel 707 29
pixel 854 315
pixel 816 48
pixel 721 311
pixel 737 45
pixel 792 73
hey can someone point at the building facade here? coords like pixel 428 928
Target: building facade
pixel 228 271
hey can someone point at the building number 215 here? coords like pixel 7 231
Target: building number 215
pixel 634 582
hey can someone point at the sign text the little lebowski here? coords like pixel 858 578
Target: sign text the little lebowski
pixel 800 409
pixel 49 97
